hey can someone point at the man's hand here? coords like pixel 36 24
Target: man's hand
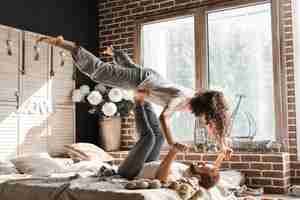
pixel 108 51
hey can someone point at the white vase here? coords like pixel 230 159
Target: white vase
pixel 110 133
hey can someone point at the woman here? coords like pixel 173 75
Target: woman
pixel 210 105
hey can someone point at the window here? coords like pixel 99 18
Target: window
pixel 168 47
pixel 232 48
pixel 240 64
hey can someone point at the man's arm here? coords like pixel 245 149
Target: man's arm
pixel 165 166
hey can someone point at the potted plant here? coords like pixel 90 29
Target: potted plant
pixel 110 104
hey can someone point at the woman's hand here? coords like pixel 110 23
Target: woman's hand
pixel 108 51
pixel 227 151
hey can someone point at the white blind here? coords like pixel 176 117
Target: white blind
pixel 8 130
pixel 44 120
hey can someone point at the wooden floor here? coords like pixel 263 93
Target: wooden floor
pixel 279 197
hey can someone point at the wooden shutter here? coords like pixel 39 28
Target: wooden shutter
pixel 10 60
pixel 34 92
pixel 8 130
pixel 62 83
pixel 61 129
pixel 61 122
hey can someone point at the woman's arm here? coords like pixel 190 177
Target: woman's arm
pixel 164 119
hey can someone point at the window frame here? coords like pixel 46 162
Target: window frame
pixel 201 51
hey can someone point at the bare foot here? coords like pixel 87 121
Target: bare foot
pixel 51 40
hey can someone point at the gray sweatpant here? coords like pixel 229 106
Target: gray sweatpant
pixel 148 147
pixel 109 74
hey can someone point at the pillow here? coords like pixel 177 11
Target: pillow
pixel 149 170
pixel 7 167
pixel 87 151
pixel 40 164
pixel 87 166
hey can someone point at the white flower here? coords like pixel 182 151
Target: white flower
pixel 101 88
pixel 77 96
pixel 115 95
pixel 94 98
pixel 84 90
pixel 128 95
pixel 109 109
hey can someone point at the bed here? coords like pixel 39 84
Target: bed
pixel 40 177
pixel 83 186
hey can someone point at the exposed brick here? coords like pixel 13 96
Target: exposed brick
pixel 209 157
pixel 196 157
pixel 278 182
pixel 273 174
pixel 249 158
pixel 235 158
pixel 240 165
pixel 261 166
pixel 251 173
pixel 278 167
pixel 167 4
pixel 267 158
pixel 274 190
pixel 261 181
pixel 146 2
pixel 181 1
pixel 153 7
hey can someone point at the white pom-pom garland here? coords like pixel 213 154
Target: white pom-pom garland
pixel 94 98
pixel 109 109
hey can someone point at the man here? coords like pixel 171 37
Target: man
pixel 210 105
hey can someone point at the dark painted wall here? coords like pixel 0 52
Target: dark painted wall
pixel 76 20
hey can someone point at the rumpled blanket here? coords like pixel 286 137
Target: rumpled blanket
pixel 85 186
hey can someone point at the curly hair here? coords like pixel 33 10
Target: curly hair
pixel 212 105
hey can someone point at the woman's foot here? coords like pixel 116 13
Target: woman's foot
pixel 51 40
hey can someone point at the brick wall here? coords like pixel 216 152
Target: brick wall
pixel 272 171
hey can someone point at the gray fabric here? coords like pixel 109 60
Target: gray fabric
pixel 79 189
pixel 148 147
pixel 125 74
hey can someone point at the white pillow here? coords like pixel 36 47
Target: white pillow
pixel 149 170
pixel 40 164
pixel 7 167
pixel 87 151
pixel 87 166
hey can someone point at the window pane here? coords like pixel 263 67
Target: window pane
pixel 240 63
pixel 168 48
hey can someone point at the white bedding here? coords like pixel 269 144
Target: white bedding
pixel 67 186
pixel 80 183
